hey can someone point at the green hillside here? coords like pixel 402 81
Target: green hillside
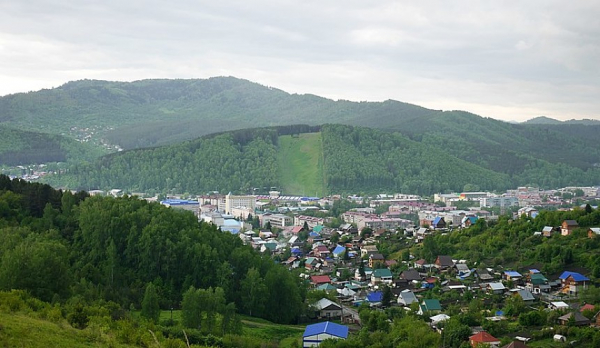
pixel 19 147
pixel 300 159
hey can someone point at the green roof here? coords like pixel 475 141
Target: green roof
pixel 432 305
pixel 326 287
pixel 381 272
pixel 318 228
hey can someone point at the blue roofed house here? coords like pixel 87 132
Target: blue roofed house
pixel 573 282
pixel 338 251
pixel 438 223
pixel 512 275
pixel 374 298
pixel 316 333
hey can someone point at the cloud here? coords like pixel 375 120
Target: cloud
pixel 509 60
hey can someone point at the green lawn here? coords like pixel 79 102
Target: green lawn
pixel 301 165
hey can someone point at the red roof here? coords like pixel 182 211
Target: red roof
pixel 483 337
pixel 320 279
pixel 321 249
pixel 297 229
pixel 587 306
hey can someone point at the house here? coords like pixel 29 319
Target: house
pixel 483 275
pixel 484 339
pixel 516 344
pixel 312 263
pixel 438 223
pixel 526 295
pixel 512 275
pixel 463 270
pixel 375 258
pixel 338 251
pixel 467 221
pixel 367 250
pixel 587 307
pixel 436 319
pixel 558 305
pixel 316 333
pixel 573 282
pixel 593 232
pixel 326 287
pixel 268 247
pixel 327 309
pixel 406 297
pixel 320 279
pixel 444 262
pixel 375 297
pixel 430 306
pixel 537 283
pixel 495 288
pixel 547 231
pixel 576 317
pixel 567 227
pixel 321 251
pixel 381 275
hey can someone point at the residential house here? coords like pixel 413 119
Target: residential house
pixel 367 250
pixel 374 298
pixel 312 263
pixel 573 282
pixel 316 333
pixel 484 339
pixel 381 275
pixel 516 344
pixel 327 309
pixel 430 306
pixel 512 276
pixel 406 298
pixel 547 231
pixel 321 251
pixel 411 275
pixel 463 270
pixel 320 279
pixel 558 305
pixel 537 283
pixel 338 251
pixel 495 288
pixel 436 319
pixel 467 221
pixel 438 223
pixel 375 258
pixel 567 227
pixel 593 232
pixel 444 262
pixel 483 275
pixel 525 295
pixel 576 317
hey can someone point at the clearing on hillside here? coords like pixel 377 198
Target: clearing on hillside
pixel 300 160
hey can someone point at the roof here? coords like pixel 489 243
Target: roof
pixel 513 274
pixel 483 337
pixel 382 272
pixel 587 306
pixel 437 220
pixel 432 305
pixel 408 297
pixel 318 228
pixel 296 229
pixel 595 230
pixel 375 296
pixel 496 286
pixel 326 287
pixel 376 256
pixel 577 316
pixel 320 279
pixel 578 277
pixel 547 229
pixel 559 304
pixel 327 327
pixel 339 250
pixel 439 317
pixel 445 260
pixel 526 295
pixel 324 303
pixel 571 223
pixel 516 344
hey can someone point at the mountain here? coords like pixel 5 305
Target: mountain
pixel 542 120
pixel 313 160
pixel 151 113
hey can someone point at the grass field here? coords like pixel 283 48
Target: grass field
pixel 301 165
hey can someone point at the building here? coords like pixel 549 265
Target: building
pixel 502 202
pixel 328 309
pixel 484 339
pixel 573 282
pixel 311 221
pixel 567 227
pixel 227 203
pixel 276 220
pixel 316 333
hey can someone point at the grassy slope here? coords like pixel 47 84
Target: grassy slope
pixel 18 330
pixel 301 165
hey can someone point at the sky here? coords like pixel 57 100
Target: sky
pixel 510 60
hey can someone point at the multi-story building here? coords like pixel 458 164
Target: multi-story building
pixel 311 221
pixel 502 202
pixel 228 202
pixel 276 220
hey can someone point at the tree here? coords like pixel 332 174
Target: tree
pixel 191 312
pixel 150 306
pixel 387 296
pixel 305 227
pixel 253 293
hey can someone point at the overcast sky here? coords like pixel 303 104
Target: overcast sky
pixel 511 60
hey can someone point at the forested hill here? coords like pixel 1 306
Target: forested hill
pixel 19 147
pixel 305 160
pixel 156 112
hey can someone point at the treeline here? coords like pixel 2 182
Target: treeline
pixel 59 246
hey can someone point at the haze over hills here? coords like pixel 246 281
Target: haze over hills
pixel 550 121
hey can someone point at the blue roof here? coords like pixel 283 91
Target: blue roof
pixel 178 202
pixel 512 274
pixel 376 296
pixel 314 234
pixel 578 277
pixel 437 220
pixel 338 250
pixel 328 327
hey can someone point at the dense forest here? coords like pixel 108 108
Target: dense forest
pixel 76 250
pixel 355 159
